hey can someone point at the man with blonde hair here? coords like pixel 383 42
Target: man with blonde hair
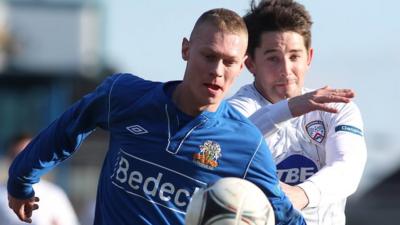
pixel 166 139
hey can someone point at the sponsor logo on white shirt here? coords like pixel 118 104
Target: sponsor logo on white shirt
pixel 296 169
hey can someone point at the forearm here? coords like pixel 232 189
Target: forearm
pixel 331 184
pixel 338 179
pixel 57 142
pixel 52 146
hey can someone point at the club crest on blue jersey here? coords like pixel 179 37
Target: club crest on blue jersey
pixel 295 169
pixel 316 130
pixel 209 154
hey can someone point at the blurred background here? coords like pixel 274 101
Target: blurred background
pixel 52 52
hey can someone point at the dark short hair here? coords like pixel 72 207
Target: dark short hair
pixel 277 15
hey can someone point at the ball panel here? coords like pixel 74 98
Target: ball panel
pixel 196 208
pixel 235 192
pixel 228 200
pixel 228 219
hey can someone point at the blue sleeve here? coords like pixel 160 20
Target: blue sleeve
pixel 262 172
pixel 58 141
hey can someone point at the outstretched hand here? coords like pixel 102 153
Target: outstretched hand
pixel 316 100
pixel 23 207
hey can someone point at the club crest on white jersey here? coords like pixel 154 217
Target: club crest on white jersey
pixel 316 130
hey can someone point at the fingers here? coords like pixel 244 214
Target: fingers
pixel 23 212
pixel 326 91
pixel 30 207
pixel 330 98
pixel 328 95
pixel 318 99
pixel 344 93
pixel 35 199
pixel 23 208
pixel 29 210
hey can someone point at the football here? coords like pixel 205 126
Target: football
pixel 230 201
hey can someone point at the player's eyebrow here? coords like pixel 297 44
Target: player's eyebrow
pixel 268 51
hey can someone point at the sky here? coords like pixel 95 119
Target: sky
pixel 356 45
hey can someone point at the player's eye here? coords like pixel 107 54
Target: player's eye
pixel 229 62
pixel 273 59
pixel 294 57
pixel 210 57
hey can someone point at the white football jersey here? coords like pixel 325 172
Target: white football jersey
pixel 323 153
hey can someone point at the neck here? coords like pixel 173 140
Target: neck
pixel 261 93
pixel 187 103
pixel 181 100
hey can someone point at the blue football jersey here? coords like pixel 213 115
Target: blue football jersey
pixel 156 158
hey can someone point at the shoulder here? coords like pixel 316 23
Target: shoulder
pixel 241 122
pixel 247 93
pixel 347 121
pixel 247 100
pixel 126 82
pixel 121 83
pixel 125 89
pixel 347 113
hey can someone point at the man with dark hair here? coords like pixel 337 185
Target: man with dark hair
pixel 166 139
pixel 320 156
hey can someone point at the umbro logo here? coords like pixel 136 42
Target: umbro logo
pixel 137 129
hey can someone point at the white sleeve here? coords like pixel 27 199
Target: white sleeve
pixel 265 116
pixel 245 105
pixel 346 155
pixel 268 118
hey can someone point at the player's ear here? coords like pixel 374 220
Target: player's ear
pixel 250 64
pixel 185 49
pixel 310 56
pixel 243 62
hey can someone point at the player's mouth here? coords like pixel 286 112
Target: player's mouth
pixel 213 89
pixel 285 83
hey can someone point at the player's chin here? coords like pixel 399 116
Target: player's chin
pixel 285 92
pixel 212 98
pixel 210 103
pixel 215 99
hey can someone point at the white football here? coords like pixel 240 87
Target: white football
pixel 230 201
